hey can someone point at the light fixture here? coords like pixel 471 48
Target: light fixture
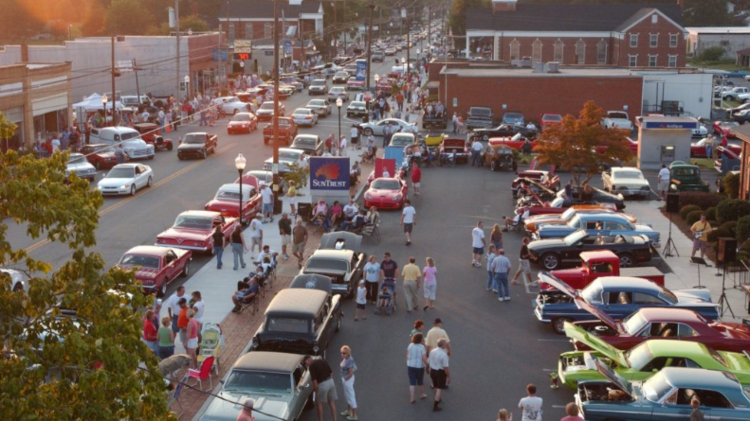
pixel 240 162
pixel 187 79
pixel 104 99
pixel 339 102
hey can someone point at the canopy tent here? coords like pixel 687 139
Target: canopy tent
pixel 94 103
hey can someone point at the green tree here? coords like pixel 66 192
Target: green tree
pixel 57 367
pixel 575 144
pixel 457 17
pixel 127 17
pixel 706 13
pixel 192 22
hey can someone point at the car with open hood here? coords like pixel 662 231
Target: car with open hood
pixel 339 257
pixel 596 224
pixel 554 253
pixel 505 129
pixel 498 157
pixel 193 230
pixel 151 134
pixel 227 201
pixel 155 267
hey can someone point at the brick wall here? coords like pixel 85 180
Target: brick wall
pixel 644 29
pixel 526 48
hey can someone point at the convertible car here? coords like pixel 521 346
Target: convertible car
pixel 618 296
pixel 533 222
pixel 505 130
pixel 554 253
pixel 597 224
pixel 386 193
pixel 192 230
pixel 560 203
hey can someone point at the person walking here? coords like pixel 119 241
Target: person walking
pixel 299 240
pixel 285 230
pixel 411 274
pixel 477 243
pixel 256 236
pixel 291 194
pixel 120 154
pixel 342 145
pixel 267 195
pixel 429 273
pixel 531 405
pixel 436 332
pixel 491 254
pixel 388 267
pixel 323 386
pixel 418 327
pixel 439 371
pixel 348 367
pixel 500 269
pixel 238 246
pixel 354 137
pixel 416 361
pixel 150 335
pixel 408 220
pixel 663 181
pixel 571 413
pixel 361 301
pixel 496 237
pixel 416 178
pixel 219 244
pixel 524 268
pixel 372 278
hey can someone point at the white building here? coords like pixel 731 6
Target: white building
pixel 665 90
pixel 731 38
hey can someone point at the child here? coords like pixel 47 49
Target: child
pixel 502 415
pixel 385 296
pixel 361 301
pixel 696 414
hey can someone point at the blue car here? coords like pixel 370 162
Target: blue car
pixel 664 396
pixel 606 224
pixel 618 296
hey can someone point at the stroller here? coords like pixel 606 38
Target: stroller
pixel 212 340
pixel 386 297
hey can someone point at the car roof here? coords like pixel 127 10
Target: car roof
pixel 656 314
pixel 208 214
pixel 149 250
pixel 602 216
pixel 297 302
pixel 333 254
pixel 697 378
pixel 230 187
pixel 629 169
pixel 667 347
pixel 124 165
pixel 269 361
pixel 626 283
pixel 197 133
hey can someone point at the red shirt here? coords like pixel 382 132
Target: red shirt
pixel 416 175
pixel 149 331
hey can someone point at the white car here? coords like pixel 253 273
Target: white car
pixel 126 179
pixel 17 282
pixel 321 106
pixel 78 164
pixel 376 128
pixel 286 156
pixel 338 92
pixel 305 117
pixel 701 131
pixel 134 146
pixel 231 105
pixel 627 181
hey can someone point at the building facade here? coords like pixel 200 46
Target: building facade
pixel 731 39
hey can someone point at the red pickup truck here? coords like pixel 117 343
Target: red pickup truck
pixel 155 267
pixel 601 263
pixel 287 131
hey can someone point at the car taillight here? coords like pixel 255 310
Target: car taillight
pixel 307 117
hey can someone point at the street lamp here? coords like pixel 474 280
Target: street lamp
pixel 187 86
pixel 104 110
pixel 239 163
pixel 339 103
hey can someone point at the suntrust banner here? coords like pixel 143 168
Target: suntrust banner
pixel 329 173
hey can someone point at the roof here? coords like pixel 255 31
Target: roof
pixel 149 250
pixel 269 361
pixel 351 240
pixel 744 51
pixel 566 17
pixel 656 314
pixel 264 9
pixel 529 73
pixel 333 254
pixel 627 283
pixel 293 302
pixel 734 30
pixel 696 378
pixel 667 347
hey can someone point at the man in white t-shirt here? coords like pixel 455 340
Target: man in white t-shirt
pixel 256 235
pixel 531 405
pixel 173 307
pixel 55 142
pixel 663 181
pixel 198 306
pixel 476 151
pixel 342 145
pixel 477 244
pixel 267 195
pixel 408 220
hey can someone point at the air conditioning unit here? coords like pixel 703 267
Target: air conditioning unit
pixel 539 68
pixel 553 67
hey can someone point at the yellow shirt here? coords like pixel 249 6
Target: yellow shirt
pixel 433 335
pixel 410 272
pixel 292 192
pixel 703 227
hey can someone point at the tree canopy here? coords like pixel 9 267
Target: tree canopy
pixel 581 145
pixel 57 366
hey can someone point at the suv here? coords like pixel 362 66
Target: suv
pixel 318 87
pixel 479 117
pixel 378 56
pixel 299 321
pixel 686 177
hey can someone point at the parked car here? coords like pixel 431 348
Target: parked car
pixel 288 129
pixel 155 267
pixel 597 224
pixel 517 141
pixel 617 120
pixel 505 130
pixel 627 181
pixel 318 87
pixel 321 106
pixel 726 128
pixel 99 155
pixel 699 132
pixel 533 222
pixel 197 145
pixel 151 134
pixel 287 157
pixel 686 177
pixel 546 119
pixel 540 176
pixel 353 84
pixel 597 196
pixel 600 263
pixel 310 144
pixel 227 201
pixel 17 281
pixel 78 165
pixel 338 92
pixel 698 149
pixel 402 140
pixel 343 266
pixel 513 117
pixel 357 109
pixel 126 179
pixel 242 123
pixel 555 253
pixel 479 117
pixel 454 146
pixel 132 144
pixel 499 157
pixel 193 230
pixel 386 193
pixel 377 127
pixel 230 105
pixel 377 56
pixel 265 111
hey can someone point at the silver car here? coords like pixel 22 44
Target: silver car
pixel 231 105
pixel 287 156
pixel 126 179
pixel 338 92
pixel 78 165
pixel 321 106
pixel 305 117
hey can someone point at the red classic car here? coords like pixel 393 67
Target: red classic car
pixel 155 267
pixel 597 264
pixel 227 200
pixel 151 133
pixel 665 323
pixel 516 142
pixel 386 193
pixel 355 85
pixel 558 205
pixel 549 118
pixel 192 230
pixel 242 123
pixel 724 128
pixel 698 149
pixel 100 155
pixel 632 145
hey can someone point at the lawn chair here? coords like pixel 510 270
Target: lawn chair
pixel 212 341
pixel 174 398
pixel 203 374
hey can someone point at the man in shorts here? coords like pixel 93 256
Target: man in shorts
pixel 663 181
pixel 700 232
pixel 323 386
pixel 256 235
pixel 439 372
pixel 299 240
pixel 416 178
pixel 267 195
pixel 408 220
pixel 477 244
pixel 285 230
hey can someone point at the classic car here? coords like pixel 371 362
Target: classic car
pixel 197 144
pixel 318 87
pixel 547 119
pixel 557 205
pixel 155 267
pixel 255 177
pixel 686 177
pixel 618 296
pixel 356 109
pixel 288 129
pixel 352 84
pixel 227 201
pixel 17 282
pixel 78 165
pixel 513 117
pixel 100 155
pixel 377 127
pixel 132 144
pixel 386 193
pixel 314 281
pixel 390 51
pixel 454 146
pixel 151 134
pixel 285 91
pixel 499 157
pixel 505 130
pixel 377 56
pixel 597 195
pixel 265 111
pixel 126 179
pixel 340 78
pixel 599 263
pixel 596 224
pixel 725 128
pixel 664 323
pixel 287 156
pixel 402 140
pixel 337 92
pixel 192 230
pixel 640 362
pixel 321 106
pixel 304 117
pixel 698 149
pixel 344 266
pixel 229 105
pixel 516 141
pixel 626 181
pixel 554 253
pixel 299 321
pixel 242 123
pixel 310 144
pixel 532 191
pixel 536 175
pixel 279 383
pixel 533 222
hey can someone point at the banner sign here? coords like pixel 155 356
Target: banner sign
pixel 385 165
pixel 671 125
pixel 361 70
pixel 329 173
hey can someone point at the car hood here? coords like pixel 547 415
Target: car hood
pixel 191 146
pixel 115 182
pixel 558 284
pixel 79 166
pixel 261 111
pixel 596 343
pixel 383 192
pixel 141 272
pixel 218 204
pixel 631 182
pixel 186 234
pixel 239 123
pixel 276 406
pixel 538 245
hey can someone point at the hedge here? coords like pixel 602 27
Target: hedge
pixel 711 213
pixel 701 199
pixel 720 232
pixel 732 210
pixel 693 217
pixel 685 210
pixel 732 185
pixel 742 230
pixel 730 226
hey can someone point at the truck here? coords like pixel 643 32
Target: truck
pixel 439 121
pixel 287 131
pixel 739 93
pixel 479 117
pixel 596 264
pixel 686 177
pixel 617 120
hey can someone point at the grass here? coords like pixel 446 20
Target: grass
pixel 728 65
pixel 706 163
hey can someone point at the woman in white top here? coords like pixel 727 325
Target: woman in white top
pixel 416 361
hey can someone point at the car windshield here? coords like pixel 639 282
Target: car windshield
pixel 129 135
pixel 150 262
pixel 194 221
pixel 480 112
pixel 318 82
pixel 258 381
pixel 569 213
pixel 592 293
pixel 226 194
pixel 386 184
pixel 305 141
pixel 241 117
pixel 576 222
pixel 288 325
pixel 302 111
pixel 552 117
pixel 194 139
pixel 76 158
pixel 341 74
pixel 634 323
pixel 357 104
pixel 639 356
pixel 288 155
pixel 316 103
pixel 319 264
pixel 513 116
pixel 575 237
pixel 122 172
pixel 266 106
pixel 629 174
pixel 656 387
pixel 337 89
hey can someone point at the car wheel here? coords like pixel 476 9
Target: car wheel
pixel 550 261
pixel 179 157
pixel 163 290
pixel 558 324
pixel 626 260
pixel 205 154
pixel 486 137
pixel 338 324
pixel 132 190
pixel 150 182
pixel 493 165
pixel 186 272
pixel 169 146
pixel 368 131
pixel 19 287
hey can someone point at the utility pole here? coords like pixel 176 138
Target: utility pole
pixel 137 85
pixel 369 44
pixel 407 71
pixel 335 29
pixel 177 29
pixel 114 97
pixel 344 22
pixel 275 165
pixel 429 29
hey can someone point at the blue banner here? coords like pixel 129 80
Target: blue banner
pixel 361 70
pixel 287 47
pixel 671 125
pixel 215 54
pixel 329 173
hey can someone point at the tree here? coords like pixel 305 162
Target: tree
pixel 457 16
pixel 575 144
pixel 706 13
pixel 57 367
pixel 192 22
pixel 127 17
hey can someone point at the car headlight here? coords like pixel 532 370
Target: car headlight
pixel 368 196
pixel 125 186
pixel 397 198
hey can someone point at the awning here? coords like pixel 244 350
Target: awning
pixel 50 104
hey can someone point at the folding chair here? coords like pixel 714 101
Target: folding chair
pixel 204 373
pixel 211 335
pixel 174 398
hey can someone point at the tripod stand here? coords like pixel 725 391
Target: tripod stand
pixel 699 261
pixel 670 247
pixel 723 301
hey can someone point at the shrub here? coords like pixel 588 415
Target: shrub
pixel 720 232
pixel 742 230
pixel 711 213
pixel 732 185
pixel 685 210
pixel 711 54
pixel 701 199
pixel 730 226
pixel 744 252
pixel 732 210
pixel 693 217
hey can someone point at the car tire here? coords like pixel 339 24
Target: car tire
pixel 151 157
pixel 150 182
pixel 486 137
pixel 558 324
pixel 205 154
pixel 626 260
pixel 550 261
pixel 368 131
pixel 186 272
pixel 493 166
pixel 18 287
pixel 132 190
pixel 163 290
pixel 169 146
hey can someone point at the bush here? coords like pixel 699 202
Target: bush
pixel 701 199
pixel 693 217
pixel 732 185
pixel 730 226
pixel 720 232
pixel 685 210
pixel 744 252
pixel 732 210
pixel 711 213
pixel 742 230
pixel 711 54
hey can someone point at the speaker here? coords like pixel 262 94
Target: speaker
pixel 673 202
pixel 727 249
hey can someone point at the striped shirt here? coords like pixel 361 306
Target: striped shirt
pixel 500 264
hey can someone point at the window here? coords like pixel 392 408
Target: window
pixel 652 59
pixel 248 31
pixel 673 40
pixel 654 18
pixel 515 50
pixel 267 30
pixel 672 61
pixel 231 33
pixel 558 56
pixel 601 52
pixel 641 298
pixel 536 51
pixel 581 51
pixel 653 40
pixel 633 40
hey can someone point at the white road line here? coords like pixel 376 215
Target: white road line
pixel 548 369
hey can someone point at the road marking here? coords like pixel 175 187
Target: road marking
pixel 548 369
pixel 553 340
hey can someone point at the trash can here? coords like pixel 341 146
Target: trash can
pixel 304 210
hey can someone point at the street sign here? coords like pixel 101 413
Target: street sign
pixel 124 65
pixel 215 54
pixel 287 47
pixel 243 46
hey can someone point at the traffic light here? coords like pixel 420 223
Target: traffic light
pixel 243 56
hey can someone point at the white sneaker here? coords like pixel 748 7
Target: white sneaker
pixel 501 299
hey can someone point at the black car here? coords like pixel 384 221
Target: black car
pixel 197 145
pixel 597 196
pixel 309 143
pixel 299 321
pixel 336 257
pixel 554 253
pixel 505 130
pixel 318 87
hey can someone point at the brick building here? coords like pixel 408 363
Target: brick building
pixel 609 35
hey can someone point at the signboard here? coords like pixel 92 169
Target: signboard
pixel 287 47
pixel 243 46
pixel 183 86
pixel 215 54
pixel 269 52
pixel 329 173
pixel 124 65
pixel 361 70
pixel 671 125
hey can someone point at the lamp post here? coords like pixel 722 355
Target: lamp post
pixel 104 110
pixel 239 163
pixel 369 44
pixel 187 86
pixel 339 103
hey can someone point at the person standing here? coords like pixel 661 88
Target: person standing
pixel 120 154
pixel 439 371
pixel 219 244
pixel 299 238
pixel 323 386
pixel 238 246
pixel 246 414
pixel 410 274
pixel 476 151
pixel 361 300
pixel 408 220
pixel 502 415
pixel 285 230
pixel 477 243
pixel 416 178
pixel 55 142
pixel 267 196
pixel 569 191
pixel 386 135
pixel 416 361
pixel 150 335
pixel 571 413
pixel 166 338
pixel 524 268
pixel 700 231
pixel 531 405
pixel 663 181
pixel 500 269
pixel 372 277
pixel 291 193
pixel 348 367
pixel 354 136
pixel 173 307
pixel 429 274
pixel 455 122
pixel 191 334
pixel 256 236
pixel 496 237
pixel 183 320
pixel 709 143
pixel 491 254
pixel 342 145
pixel 696 414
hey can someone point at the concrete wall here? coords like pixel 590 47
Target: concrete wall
pixel 731 43
pixel 651 141
pixel 694 90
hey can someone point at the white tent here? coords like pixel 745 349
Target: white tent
pixel 94 103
